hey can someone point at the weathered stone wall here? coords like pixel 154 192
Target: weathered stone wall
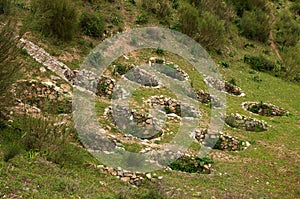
pixel 225 142
pixel 224 86
pixel 245 123
pixel 264 109
pixel 173 106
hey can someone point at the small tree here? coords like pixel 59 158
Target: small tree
pixel 291 65
pixel 92 24
pixel 211 32
pixel 5 6
pixel 57 18
pixel 8 61
pixel 247 5
pixel 255 25
pixel 287 30
pixel 189 19
pixel 220 8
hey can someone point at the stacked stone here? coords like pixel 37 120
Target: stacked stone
pixel 245 123
pixel 105 86
pixel 205 98
pixel 41 56
pixel 264 109
pixel 224 86
pixel 167 156
pixel 224 142
pixel 130 114
pixel 173 106
pixel 34 92
pixel 134 178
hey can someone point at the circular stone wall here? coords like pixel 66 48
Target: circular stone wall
pixel 264 109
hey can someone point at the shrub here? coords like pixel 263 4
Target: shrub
pixel 57 18
pixel 92 24
pixel 291 63
pixel 163 8
pixel 175 4
pixel 211 31
pixel 189 19
pixel 159 51
pixel 121 69
pixel 224 63
pixel 10 142
pixel 255 25
pixel 148 5
pixel 67 154
pixel 142 19
pixel 9 63
pixel 132 2
pixel 247 5
pixel 190 165
pixel 287 30
pixel 259 63
pixel 295 8
pixel 195 3
pixel 5 6
pixel 219 8
pixel 232 81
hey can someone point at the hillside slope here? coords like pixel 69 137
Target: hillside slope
pixel 42 155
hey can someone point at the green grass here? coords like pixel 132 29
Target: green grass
pixel 268 168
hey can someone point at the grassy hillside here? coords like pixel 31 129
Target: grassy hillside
pixel 255 45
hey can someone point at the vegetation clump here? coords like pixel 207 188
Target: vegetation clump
pixel 58 18
pixel 92 24
pixel 255 25
pixel 259 63
pixel 192 164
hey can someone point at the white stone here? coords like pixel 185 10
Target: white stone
pixel 42 69
pixel 149 176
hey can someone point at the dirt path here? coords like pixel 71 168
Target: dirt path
pixel 271 37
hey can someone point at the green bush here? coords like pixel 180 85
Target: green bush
pixel 67 154
pixel 58 18
pixel 224 63
pixel 92 24
pixel 190 165
pixel 291 63
pixel 142 18
pixel 247 5
pixel 295 8
pixel 287 30
pixel 255 25
pixel 211 31
pixel 148 5
pixel 259 63
pixel 121 69
pixel 10 142
pixel 189 19
pixel 9 64
pixel 132 2
pixel 195 3
pixel 219 8
pixel 163 8
pixel 232 81
pixel 5 6
pixel 159 51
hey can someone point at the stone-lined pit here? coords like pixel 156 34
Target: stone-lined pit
pixel 245 123
pixel 224 86
pixel 264 109
pixel 224 143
